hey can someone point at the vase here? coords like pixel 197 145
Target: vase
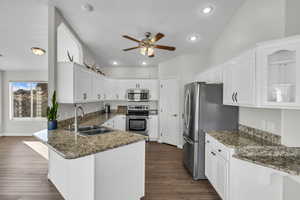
pixel 52 125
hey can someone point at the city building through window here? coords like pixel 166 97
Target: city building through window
pixel 28 100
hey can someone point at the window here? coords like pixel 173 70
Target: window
pixel 29 100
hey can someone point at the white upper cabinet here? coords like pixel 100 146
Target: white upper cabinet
pixel 74 83
pixel 239 80
pixel 278 67
pixel 77 84
pixel 153 87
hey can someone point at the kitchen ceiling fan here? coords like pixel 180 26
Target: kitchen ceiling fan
pixel 147 45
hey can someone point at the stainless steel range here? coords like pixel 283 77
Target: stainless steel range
pixel 137 119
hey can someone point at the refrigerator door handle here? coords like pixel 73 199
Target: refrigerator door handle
pixel 187 109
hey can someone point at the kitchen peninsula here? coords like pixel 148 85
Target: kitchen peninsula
pixel 104 166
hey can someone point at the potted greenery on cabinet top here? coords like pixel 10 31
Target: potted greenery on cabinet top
pixel 52 113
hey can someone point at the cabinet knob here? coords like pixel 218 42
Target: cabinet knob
pixel 213 153
pixel 219 150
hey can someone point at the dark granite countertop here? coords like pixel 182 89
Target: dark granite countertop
pixel 259 151
pixel 70 145
pixel 235 139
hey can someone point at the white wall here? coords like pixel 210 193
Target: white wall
pixel 263 119
pixel 17 127
pixel 292 26
pixel 1 103
pixel 183 68
pixel 131 72
pixel 254 21
pixel 55 18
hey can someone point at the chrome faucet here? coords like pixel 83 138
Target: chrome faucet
pixel 76 124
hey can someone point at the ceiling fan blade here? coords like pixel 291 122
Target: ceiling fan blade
pixel 165 47
pixel 157 37
pixel 131 48
pixel 131 38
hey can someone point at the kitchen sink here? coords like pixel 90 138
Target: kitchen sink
pixel 92 130
pixel 96 131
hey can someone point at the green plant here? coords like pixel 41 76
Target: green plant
pixel 52 110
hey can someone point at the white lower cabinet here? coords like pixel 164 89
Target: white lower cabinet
pixel 118 122
pixel 235 179
pixel 153 127
pixel 217 167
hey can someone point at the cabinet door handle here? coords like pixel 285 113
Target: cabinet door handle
pixel 232 97
pixel 213 153
pixel 235 97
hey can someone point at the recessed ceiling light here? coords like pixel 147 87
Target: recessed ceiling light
pixel 38 51
pixel 207 10
pixel 144 63
pixel 193 37
pixel 115 63
pixel 87 7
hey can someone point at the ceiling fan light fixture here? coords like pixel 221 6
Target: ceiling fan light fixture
pixel 147 51
pixel 38 51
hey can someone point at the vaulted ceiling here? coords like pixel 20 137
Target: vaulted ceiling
pixel 23 24
pixel 102 28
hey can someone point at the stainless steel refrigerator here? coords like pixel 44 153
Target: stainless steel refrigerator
pixel 203 111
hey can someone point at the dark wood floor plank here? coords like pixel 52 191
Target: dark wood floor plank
pixel 167 179
pixel 23 174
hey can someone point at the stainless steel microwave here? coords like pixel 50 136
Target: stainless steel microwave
pixel 138 95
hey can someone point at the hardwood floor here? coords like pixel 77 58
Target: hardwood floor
pixel 166 178
pixel 23 174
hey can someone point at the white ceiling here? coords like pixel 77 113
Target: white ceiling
pixel 101 29
pixel 23 24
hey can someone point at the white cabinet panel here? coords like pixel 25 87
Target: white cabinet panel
pixel 250 181
pixel 74 83
pixel 120 122
pixel 83 84
pixel 239 80
pixel 153 127
pixel 217 167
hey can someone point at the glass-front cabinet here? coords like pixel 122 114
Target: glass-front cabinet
pixel 278 74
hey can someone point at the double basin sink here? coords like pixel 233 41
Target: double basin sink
pixel 92 130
